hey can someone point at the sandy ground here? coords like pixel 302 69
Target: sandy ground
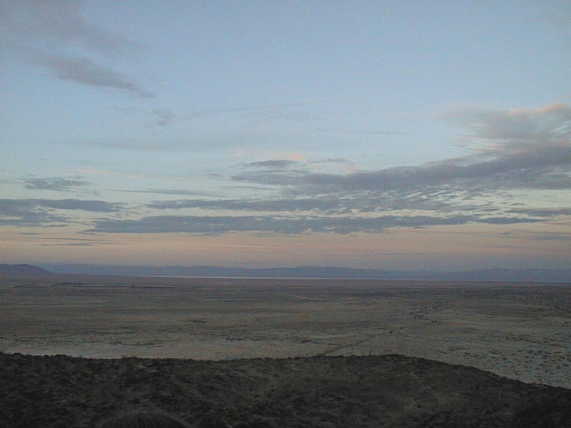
pixel 521 331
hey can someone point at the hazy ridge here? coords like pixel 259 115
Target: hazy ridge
pixel 495 274
pixel 22 269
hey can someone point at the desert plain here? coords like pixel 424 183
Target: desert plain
pixel 517 330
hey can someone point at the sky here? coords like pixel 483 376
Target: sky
pixel 255 133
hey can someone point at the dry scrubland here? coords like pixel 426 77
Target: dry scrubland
pixel 521 331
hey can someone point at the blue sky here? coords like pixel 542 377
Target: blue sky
pixel 369 133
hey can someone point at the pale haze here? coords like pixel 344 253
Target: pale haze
pixel 377 134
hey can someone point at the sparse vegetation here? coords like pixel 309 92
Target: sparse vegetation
pixel 325 392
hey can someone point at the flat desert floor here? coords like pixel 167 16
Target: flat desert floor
pixel 521 331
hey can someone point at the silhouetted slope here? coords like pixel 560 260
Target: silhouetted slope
pixel 22 269
pixel 327 392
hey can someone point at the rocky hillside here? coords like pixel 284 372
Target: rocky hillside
pixel 377 391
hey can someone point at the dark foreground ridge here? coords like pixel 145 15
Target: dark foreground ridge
pixel 376 391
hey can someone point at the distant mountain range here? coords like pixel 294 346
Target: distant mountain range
pixel 22 269
pixel 498 274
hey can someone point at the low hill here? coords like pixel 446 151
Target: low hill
pixel 23 269
pixel 327 392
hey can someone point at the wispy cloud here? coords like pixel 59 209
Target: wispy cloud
pixel 272 164
pixel 371 133
pixel 77 204
pixel 56 21
pixel 161 146
pixel 39 212
pixel 341 161
pixel 204 225
pixel 39 32
pixel 543 212
pixel 163 117
pixel 73 242
pixel 520 149
pixel 534 153
pixel 323 205
pixel 514 130
pixel 174 192
pixel 25 214
pixel 507 170
pixel 275 205
pixel 84 71
pixel 262 109
pixel 59 184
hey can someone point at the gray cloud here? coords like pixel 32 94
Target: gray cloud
pixel 59 184
pixel 273 164
pixel 526 149
pixel 77 204
pixel 22 214
pixel 56 21
pixel 521 149
pixel 273 177
pixel 181 192
pixel 36 212
pixel 285 225
pixel 516 129
pixel 279 165
pixel 8 206
pixel 363 203
pixel 163 117
pixel 543 179
pixel 86 72
pixel 543 212
pixel 473 171
pixel 532 151
pixel 332 160
pixel 29 29
pixel 326 205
